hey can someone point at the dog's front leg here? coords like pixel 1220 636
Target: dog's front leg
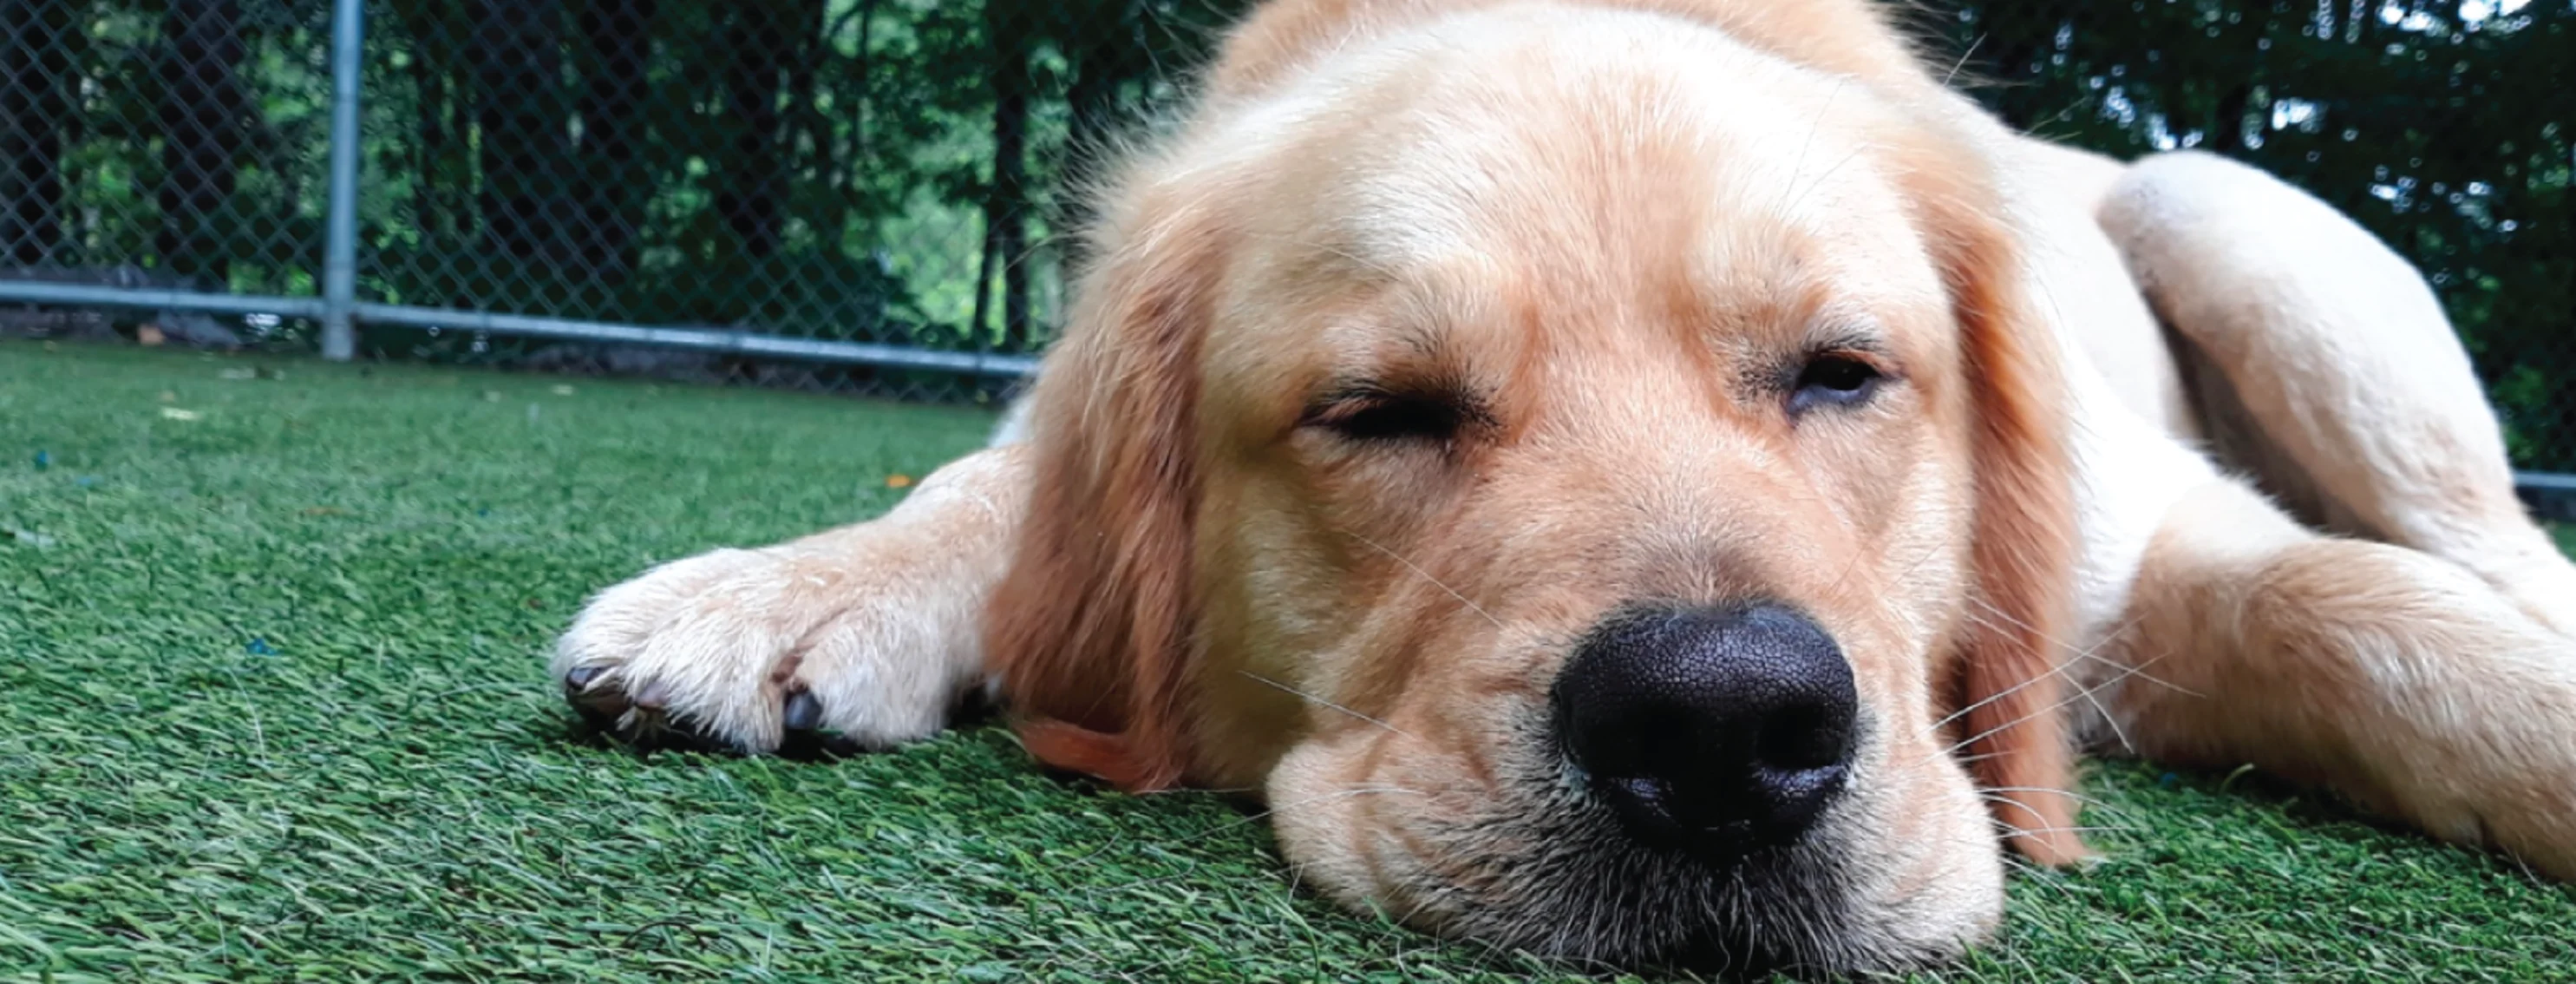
pixel 2395 678
pixel 871 631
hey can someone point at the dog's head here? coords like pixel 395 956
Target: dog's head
pixel 1595 476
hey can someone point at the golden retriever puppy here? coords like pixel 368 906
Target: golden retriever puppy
pixel 1662 480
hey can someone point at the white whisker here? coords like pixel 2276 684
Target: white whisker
pixel 2083 694
pixel 1963 61
pixel 1258 678
pixel 2069 794
pixel 2107 717
pixel 2014 831
pixel 2053 672
pixel 2093 652
pixel 1812 126
pixel 1435 582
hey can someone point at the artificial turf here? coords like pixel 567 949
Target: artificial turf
pixel 272 706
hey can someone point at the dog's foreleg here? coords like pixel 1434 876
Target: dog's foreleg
pixel 872 631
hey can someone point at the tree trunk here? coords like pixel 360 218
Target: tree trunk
pixel 2227 129
pixel 517 60
pixel 620 38
pixel 754 175
pixel 1006 198
pixel 40 41
pixel 979 322
pixel 1010 126
pixel 201 109
pixel 429 152
pixel 435 54
pixel 867 64
pixel 1107 58
pixel 814 135
pixel 849 159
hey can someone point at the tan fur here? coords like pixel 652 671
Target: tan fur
pixel 2400 680
pixel 2022 538
pixel 2416 458
pixel 1095 673
pixel 1608 226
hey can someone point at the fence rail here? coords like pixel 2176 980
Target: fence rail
pixel 338 309
pixel 873 188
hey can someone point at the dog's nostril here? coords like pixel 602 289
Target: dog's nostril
pixel 1804 737
pixel 1712 729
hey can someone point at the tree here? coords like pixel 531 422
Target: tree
pixel 202 113
pixel 909 171
pixel 522 144
pixel 618 40
pixel 1008 30
pixel 40 44
pixel 1112 59
pixel 759 40
pixel 2441 127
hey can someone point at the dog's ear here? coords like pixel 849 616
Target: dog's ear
pixel 2023 553
pixel 1088 631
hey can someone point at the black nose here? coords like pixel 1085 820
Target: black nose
pixel 1712 729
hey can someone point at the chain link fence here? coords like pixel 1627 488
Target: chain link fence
pixel 869 195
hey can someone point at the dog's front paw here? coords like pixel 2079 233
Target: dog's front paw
pixel 747 649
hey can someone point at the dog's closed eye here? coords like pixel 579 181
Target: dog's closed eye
pixel 1374 414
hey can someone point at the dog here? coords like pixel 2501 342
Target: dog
pixel 1670 480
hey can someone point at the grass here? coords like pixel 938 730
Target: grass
pixel 271 706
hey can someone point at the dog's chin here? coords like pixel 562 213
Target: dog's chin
pixel 1595 895
pixel 1598 896
pixel 1551 871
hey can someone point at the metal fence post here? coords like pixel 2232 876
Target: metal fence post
pixel 340 259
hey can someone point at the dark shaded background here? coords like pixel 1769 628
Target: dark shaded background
pixel 895 170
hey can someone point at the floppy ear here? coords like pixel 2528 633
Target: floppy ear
pixel 2024 547
pixel 1089 629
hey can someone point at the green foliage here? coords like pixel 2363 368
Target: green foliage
pixel 701 162
pixel 272 707
pixel 2444 127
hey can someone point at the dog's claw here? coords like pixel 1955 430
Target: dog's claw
pixel 804 712
pixel 601 705
pixel 654 697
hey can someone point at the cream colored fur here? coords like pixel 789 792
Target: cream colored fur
pixel 876 621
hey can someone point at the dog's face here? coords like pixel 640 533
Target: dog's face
pixel 1554 455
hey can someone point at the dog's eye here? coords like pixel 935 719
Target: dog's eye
pixel 1390 417
pixel 1833 380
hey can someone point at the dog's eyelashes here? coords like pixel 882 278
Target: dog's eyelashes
pixel 1385 417
pixel 1833 379
pixel 1388 418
